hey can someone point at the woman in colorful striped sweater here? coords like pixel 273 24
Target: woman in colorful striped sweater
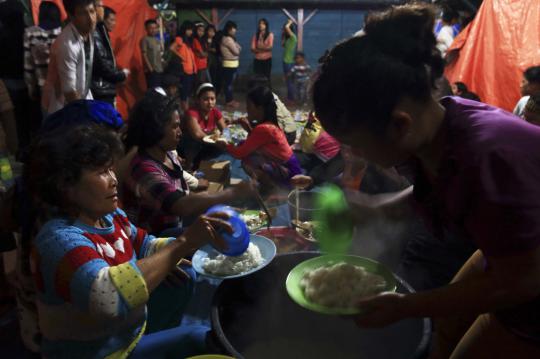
pixel 94 270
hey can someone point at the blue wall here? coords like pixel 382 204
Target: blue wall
pixel 320 33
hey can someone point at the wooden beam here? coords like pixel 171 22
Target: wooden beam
pixel 203 16
pixel 224 17
pixel 289 15
pixel 310 16
pixel 215 17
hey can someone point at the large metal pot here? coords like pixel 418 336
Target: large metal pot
pixel 254 318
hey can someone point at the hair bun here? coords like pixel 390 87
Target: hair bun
pixel 406 31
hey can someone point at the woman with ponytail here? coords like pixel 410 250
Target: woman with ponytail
pixel 476 173
pixel 266 154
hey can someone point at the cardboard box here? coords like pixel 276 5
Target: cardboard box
pixel 218 171
pixel 214 187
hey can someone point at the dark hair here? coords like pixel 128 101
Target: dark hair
pixel 150 22
pixel 300 54
pixel 267 32
pixel 262 96
pixel 196 26
pixel 470 96
pixel 229 25
pixel 292 27
pixel 532 74
pixel 107 12
pixel 148 119
pixel 208 87
pixel 449 15
pixel 205 36
pixel 363 78
pixel 256 81
pixel 49 15
pixel 461 87
pixel 57 161
pixel 71 5
pixel 186 25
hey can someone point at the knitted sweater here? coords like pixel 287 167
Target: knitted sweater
pixel 91 294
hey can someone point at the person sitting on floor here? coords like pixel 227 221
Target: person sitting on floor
pixel 157 196
pixel 320 154
pixel 265 154
pixel 201 120
pixel 532 110
pixel 96 274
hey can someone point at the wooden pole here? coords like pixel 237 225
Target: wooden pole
pixel 300 25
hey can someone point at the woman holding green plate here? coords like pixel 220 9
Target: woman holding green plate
pixel 476 173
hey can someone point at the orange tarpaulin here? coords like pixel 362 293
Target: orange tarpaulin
pixel 494 50
pixel 130 18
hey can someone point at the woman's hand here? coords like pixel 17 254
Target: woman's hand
pixel 381 310
pixel 301 181
pixel 244 122
pixel 205 230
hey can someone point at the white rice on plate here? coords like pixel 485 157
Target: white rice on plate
pixel 340 285
pixel 223 265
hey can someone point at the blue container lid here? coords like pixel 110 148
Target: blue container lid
pixel 238 241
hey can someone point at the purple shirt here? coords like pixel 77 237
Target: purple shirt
pixel 488 185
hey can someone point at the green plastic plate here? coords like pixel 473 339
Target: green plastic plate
pixel 295 276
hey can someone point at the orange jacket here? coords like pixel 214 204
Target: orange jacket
pixel 183 51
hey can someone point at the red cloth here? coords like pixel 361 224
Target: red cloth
pixel 267 138
pixel 201 62
pixel 206 126
pixel 131 15
pixel 494 50
pixel 35 9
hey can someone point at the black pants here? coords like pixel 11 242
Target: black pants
pixel 321 172
pixel 263 67
pixel 229 74
pixel 153 79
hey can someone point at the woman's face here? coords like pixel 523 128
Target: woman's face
pixel 262 26
pixel 207 101
pixel 96 192
pixel 189 32
pixel 200 31
pixel 211 33
pixel 172 133
pixel 232 31
pixel 255 113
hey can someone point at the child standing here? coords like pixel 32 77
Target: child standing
pixel 300 74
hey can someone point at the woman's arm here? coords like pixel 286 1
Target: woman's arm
pixel 194 129
pixel 197 203
pixel 366 207
pixel 267 44
pixel 510 281
pixel 255 140
pixel 254 47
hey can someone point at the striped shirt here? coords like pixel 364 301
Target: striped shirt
pixel 37 46
pixel 91 294
pixel 151 191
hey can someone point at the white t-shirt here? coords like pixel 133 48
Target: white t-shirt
pixel 519 110
pixel 445 39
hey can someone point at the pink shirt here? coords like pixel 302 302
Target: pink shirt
pixel 266 44
pixel 326 147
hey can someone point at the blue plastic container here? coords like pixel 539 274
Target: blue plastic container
pixel 238 241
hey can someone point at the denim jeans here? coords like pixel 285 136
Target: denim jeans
pixel 290 84
pixel 229 74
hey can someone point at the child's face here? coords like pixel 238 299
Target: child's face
pixel 189 32
pixel 200 31
pixel 299 60
pixel 211 33
pixel 152 29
